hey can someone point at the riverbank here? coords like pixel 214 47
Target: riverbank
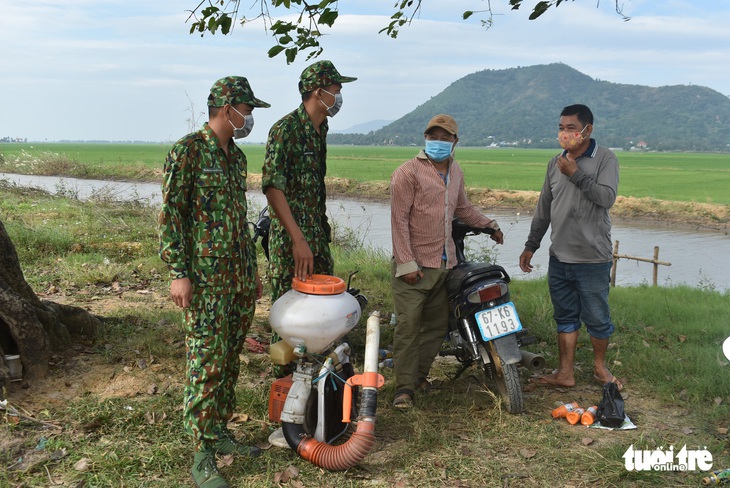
pixel 683 190
pixel 685 215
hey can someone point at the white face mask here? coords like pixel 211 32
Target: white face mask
pixel 332 111
pixel 245 129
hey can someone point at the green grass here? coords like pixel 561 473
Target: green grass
pixel 667 345
pixel 683 177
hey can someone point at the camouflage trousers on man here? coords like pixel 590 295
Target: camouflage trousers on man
pixel 215 332
pixel 281 270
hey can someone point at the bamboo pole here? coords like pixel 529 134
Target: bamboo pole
pixel 655 261
pixel 645 260
pixel 615 263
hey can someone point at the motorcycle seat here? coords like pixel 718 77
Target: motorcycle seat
pixel 467 274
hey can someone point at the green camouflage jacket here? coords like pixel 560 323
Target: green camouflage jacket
pixel 296 164
pixel 202 223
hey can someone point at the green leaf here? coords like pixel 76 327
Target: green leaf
pixel 212 25
pixel 226 22
pixel 539 9
pixel 208 11
pixel 468 14
pixel 291 55
pixel 280 27
pixel 328 17
pixel 284 40
pixel 275 50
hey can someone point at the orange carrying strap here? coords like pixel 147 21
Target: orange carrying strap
pixel 371 380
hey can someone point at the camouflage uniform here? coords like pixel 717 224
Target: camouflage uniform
pixel 204 237
pixel 296 164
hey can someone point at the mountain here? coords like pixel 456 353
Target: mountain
pixel 521 107
pixel 363 128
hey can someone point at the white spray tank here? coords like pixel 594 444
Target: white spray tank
pixel 314 313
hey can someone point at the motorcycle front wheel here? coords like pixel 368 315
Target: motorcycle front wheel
pixel 506 380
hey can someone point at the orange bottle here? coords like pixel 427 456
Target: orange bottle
pixel 562 410
pixel 574 416
pixel 589 416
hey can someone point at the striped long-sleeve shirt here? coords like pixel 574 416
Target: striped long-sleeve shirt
pixel 422 206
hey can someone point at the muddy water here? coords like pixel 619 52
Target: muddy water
pixel 698 258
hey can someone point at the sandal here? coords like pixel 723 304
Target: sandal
pixel 403 401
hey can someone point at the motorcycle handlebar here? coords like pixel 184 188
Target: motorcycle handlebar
pixel 459 230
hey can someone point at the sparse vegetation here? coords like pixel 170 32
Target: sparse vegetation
pixel 109 412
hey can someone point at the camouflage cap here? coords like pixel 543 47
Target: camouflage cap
pixel 319 74
pixel 446 122
pixel 233 90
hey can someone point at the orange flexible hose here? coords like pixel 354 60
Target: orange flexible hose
pixel 344 456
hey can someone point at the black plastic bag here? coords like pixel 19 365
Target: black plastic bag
pixel 611 409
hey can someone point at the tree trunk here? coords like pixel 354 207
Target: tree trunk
pixel 31 327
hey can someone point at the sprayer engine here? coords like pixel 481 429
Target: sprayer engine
pixel 314 404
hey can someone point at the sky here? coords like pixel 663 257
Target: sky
pixel 123 70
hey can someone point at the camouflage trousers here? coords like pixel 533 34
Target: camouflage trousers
pixel 215 332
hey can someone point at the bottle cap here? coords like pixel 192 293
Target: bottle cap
pixel 319 284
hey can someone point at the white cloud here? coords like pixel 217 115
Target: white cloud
pixel 101 69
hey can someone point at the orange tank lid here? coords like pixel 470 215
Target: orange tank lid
pixel 320 284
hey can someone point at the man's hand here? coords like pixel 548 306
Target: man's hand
pixel 181 291
pixel 412 278
pixel 303 259
pixel 567 165
pixel 497 237
pixel 525 259
pixel 259 287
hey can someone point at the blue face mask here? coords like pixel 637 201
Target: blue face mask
pixel 438 150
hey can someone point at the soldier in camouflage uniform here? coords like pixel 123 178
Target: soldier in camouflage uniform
pixel 293 181
pixel 205 242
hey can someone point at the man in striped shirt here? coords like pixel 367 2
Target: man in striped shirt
pixel 426 193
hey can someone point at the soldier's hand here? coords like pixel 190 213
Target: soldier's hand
pixel 181 291
pixel 303 260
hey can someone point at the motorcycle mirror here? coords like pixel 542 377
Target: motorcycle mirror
pixel 726 348
pixel 349 278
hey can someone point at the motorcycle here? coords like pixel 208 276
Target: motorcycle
pixel 484 327
pixel 315 403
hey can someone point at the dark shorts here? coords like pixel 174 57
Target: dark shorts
pixel 579 293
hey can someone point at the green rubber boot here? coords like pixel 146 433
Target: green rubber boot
pixel 227 444
pixel 205 471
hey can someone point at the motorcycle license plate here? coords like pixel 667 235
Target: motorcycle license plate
pixel 498 321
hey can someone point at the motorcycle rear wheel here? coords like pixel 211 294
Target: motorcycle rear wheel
pixel 506 379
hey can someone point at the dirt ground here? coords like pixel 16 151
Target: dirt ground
pixel 81 371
